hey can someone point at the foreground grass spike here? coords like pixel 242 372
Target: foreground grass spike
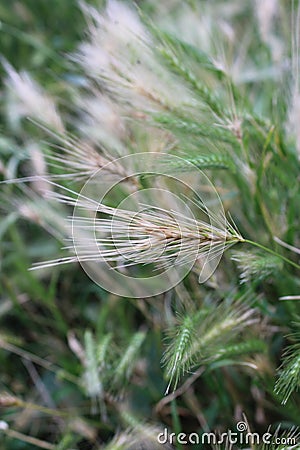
pixel 156 236
pixel 180 344
pixel 289 375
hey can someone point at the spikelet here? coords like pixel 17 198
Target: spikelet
pixel 256 265
pixel 198 337
pixel 267 12
pixel 153 235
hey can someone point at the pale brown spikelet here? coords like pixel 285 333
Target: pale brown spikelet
pixel 153 235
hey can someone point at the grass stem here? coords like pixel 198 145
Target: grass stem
pixel 272 252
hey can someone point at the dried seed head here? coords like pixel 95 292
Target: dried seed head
pixel 153 235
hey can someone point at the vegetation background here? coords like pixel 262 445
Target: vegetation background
pixel 84 369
